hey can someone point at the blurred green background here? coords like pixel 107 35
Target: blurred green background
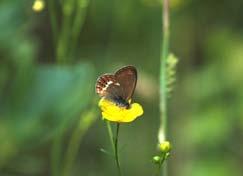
pixel 49 61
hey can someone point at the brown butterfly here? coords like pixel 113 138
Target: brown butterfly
pixel 118 88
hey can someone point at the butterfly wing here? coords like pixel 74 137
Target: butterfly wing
pixel 107 86
pixel 127 78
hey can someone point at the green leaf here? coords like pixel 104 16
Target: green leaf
pixel 56 95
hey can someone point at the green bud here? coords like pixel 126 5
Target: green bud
pixel 171 63
pixel 172 60
pixel 156 159
pixel 167 155
pixel 165 146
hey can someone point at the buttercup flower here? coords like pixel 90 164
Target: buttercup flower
pixel 112 112
pixel 38 5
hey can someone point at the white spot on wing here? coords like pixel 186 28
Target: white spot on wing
pixel 107 85
pixel 109 82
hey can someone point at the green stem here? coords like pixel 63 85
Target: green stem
pixel 53 20
pixel 116 150
pixel 160 164
pixel 85 122
pixel 63 45
pixel 114 142
pixel 57 148
pixel 108 124
pixel 78 22
pixel 55 155
pixel 163 77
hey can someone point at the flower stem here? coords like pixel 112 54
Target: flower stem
pixel 110 135
pixel 163 77
pixel 114 142
pixel 160 164
pixel 116 149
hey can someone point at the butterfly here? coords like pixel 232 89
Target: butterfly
pixel 118 87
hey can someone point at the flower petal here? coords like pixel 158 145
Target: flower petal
pixel 135 111
pixel 115 113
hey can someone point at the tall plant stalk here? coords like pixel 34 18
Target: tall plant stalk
pixel 163 77
pixel 65 39
pixel 66 34
pixel 63 43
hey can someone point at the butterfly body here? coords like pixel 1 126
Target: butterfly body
pixel 121 102
pixel 119 87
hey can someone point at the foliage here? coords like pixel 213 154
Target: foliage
pixel 41 101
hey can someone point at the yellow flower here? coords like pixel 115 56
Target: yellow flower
pixel 112 112
pixel 38 5
pixel 165 146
